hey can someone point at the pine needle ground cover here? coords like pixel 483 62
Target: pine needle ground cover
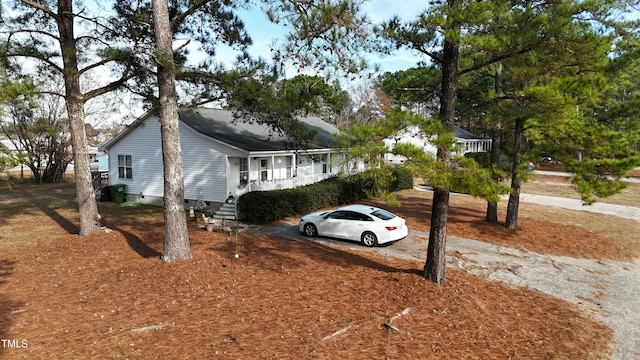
pixel 108 295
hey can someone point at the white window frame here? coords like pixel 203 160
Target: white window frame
pixel 125 166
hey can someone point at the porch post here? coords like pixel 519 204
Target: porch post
pixel 273 173
pixel 294 169
pixel 249 172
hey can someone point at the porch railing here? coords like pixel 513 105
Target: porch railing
pixel 278 184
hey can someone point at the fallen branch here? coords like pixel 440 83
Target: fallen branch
pixel 391 327
pixel 146 328
pixel 404 312
pixel 393 318
pixel 339 332
pixel 10 313
pixel 234 338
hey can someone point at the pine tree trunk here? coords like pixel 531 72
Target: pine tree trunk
pixel 87 205
pixel 518 157
pixel 494 160
pixel 435 266
pixel 496 136
pixel 176 236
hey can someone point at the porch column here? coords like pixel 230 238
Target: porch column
pixel 294 169
pixel 249 172
pixel 273 173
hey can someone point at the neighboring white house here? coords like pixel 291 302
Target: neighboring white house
pixel 221 156
pixel 466 142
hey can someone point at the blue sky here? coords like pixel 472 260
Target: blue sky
pixel 263 33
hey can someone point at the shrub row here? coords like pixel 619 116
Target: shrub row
pixel 265 206
pixel 402 179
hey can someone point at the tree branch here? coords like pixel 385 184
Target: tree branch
pixel 107 88
pixel 495 60
pixel 40 7
pixel 36 56
pixel 180 18
pixel 31 31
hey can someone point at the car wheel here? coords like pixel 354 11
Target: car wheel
pixel 310 230
pixel 369 239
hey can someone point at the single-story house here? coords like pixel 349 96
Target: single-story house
pixel 466 142
pixel 222 156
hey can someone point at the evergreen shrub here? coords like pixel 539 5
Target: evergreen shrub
pixel 266 206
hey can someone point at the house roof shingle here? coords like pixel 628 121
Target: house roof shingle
pixel 464 134
pixel 250 135
pixel 220 124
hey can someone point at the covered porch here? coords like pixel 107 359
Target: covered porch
pixel 264 172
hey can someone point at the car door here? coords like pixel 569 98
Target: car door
pixel 358 224
pixel 334 224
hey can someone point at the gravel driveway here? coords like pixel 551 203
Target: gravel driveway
pixel 611 290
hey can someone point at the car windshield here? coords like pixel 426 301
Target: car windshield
pixel 382 214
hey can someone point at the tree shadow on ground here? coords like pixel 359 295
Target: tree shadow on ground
pixel 136 243
pixel 44 205
pixel 276 254
pixel 136 224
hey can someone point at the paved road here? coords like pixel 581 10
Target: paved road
pixel 574 204
pixel 628 212
pixel 609 289
pixel 633 179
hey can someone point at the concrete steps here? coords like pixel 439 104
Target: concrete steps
pixel 227 212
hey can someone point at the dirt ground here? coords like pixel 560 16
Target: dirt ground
pixel 108 295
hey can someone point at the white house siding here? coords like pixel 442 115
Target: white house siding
pixel 415 137
pixel 312 167
pixel 146 155
pixel 211 166
pixel 233 177
pixel 205 167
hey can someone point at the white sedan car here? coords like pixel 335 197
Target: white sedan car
pixel 367 224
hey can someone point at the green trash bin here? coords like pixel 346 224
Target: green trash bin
pixel 117 192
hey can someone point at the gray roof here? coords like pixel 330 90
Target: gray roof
pixel 248 134
pixel 464 134
pixel 221 125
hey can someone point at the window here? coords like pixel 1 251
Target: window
pixel 339 214
pixel 384 215
pixel 125 168
pixel 244 171
pixel 359 217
